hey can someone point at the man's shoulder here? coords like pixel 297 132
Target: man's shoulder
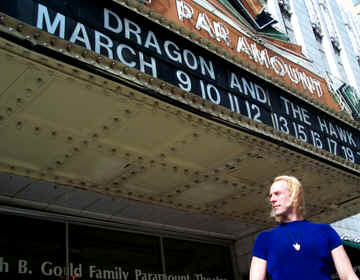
pixel 318 226
pixel 325 231
pixel 268 232
pixel 265 236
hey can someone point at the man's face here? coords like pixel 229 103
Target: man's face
pixel 280 200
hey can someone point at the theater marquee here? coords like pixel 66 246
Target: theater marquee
pixel 239 42
pixel 117 33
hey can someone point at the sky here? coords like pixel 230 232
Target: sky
pixel 347 3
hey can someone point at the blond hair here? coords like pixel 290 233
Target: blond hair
pixel 296 194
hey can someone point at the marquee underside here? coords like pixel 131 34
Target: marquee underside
pixel 65 130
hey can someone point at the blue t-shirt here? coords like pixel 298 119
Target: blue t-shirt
pixel 286 261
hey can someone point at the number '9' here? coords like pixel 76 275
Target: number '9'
pixel 184 79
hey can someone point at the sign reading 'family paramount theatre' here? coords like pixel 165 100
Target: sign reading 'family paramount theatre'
pixel 50 270
pixel 115 32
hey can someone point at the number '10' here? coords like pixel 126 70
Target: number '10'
pixel 208 91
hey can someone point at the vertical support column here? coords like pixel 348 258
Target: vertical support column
pixel 67 250
pixel 243 251
pixel 162 255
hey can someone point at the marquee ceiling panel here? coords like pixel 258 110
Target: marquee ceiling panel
pixel 65 126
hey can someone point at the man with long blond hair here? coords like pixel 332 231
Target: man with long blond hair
pixel 296 248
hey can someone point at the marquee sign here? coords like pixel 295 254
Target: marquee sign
pixel 201 21
pixel 115 32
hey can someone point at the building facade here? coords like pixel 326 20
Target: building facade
pixel 330 37
pixel 139 138
pixel 356 12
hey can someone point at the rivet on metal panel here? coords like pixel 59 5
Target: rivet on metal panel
pixel 85 54
pixel 182 30
pixel 171 25
pixel 126 70
pixel 19 101
pixel 37 130
pixel 164 20
pixel 68 47
pixel 163 85
pixel 139 75
pixel 19 125
pixel 112 64
pixel 36 35
pixel 9 110
pixel 99 59
pixel 2 20
pixel 118 90
pixel 129 2
pixel 39 80
pixel 52 42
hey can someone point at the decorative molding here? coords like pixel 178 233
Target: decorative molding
pixel 316 26
pixel 334 38
pixel 314 18
pixel 335 42
pixel 285 6
pixel 147 2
